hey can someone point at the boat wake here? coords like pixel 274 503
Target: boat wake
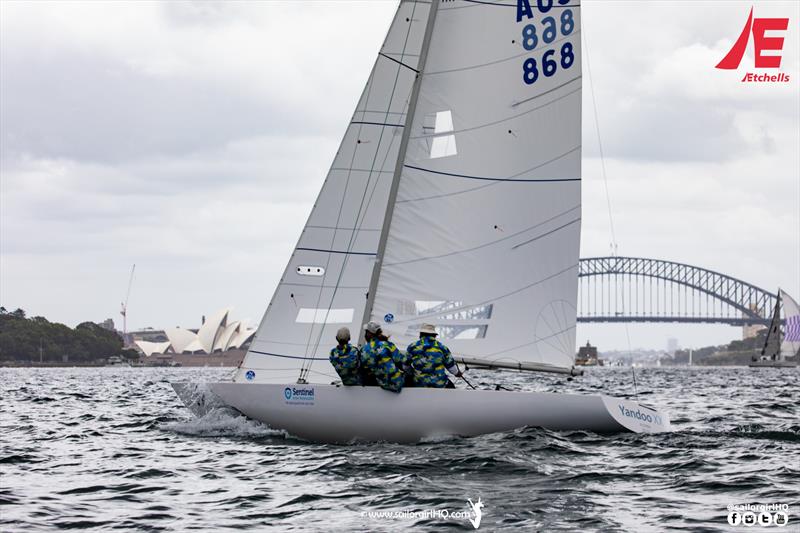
pixel 222 422
pixel 213 418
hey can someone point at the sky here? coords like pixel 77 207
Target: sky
pixel 191 138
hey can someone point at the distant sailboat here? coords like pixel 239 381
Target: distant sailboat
pixel 455 200
pixel 781 344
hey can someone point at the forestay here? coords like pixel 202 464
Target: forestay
pixel 325 284
pixel 484 232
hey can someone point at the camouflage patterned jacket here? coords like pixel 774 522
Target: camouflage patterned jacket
pixel 380 359
pixel 430 359
pixel 346 360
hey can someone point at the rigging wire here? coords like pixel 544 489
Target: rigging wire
pixel 613 243
pixel 599 143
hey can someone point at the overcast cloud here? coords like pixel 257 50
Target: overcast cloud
pixel 192 138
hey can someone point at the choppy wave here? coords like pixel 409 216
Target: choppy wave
pixel 102 449
pixel 221 422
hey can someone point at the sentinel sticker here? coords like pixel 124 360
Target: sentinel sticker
pixel 299 395
pixel 388 318
pixel 250 375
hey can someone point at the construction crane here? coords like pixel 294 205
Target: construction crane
pixel 124 307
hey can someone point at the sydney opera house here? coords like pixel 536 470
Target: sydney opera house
pixel 217 334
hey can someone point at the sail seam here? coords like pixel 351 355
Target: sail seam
pixel 543 235
pixel 486 178
pixel 515 104
pixel 491 184
pixel 513 235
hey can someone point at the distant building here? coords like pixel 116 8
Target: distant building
pixel 216 334
pixel 587 356
pixel 673 345
pixel 751 330
pixel 108 324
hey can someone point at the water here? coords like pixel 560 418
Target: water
pixel 114 449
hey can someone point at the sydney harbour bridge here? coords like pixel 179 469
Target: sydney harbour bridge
pixel 635 289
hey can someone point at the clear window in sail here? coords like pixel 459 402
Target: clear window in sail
pixel 455 332
pixel 441 145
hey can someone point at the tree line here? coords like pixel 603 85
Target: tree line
pixel 24 339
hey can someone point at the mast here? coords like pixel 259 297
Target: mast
pixel 398 169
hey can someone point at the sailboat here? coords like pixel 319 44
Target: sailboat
pixel 455 200
pixel 779 345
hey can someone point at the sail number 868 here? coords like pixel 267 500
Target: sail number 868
pixel 549 66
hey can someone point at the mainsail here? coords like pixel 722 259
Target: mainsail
pixel 484 232
pixel 454 198
pixel 772 342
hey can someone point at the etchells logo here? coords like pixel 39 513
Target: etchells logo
pixel 299 396
pixel 767 37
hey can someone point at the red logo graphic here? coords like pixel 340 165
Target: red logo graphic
pixel 761 42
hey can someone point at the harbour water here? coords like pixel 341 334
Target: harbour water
pixel 114 449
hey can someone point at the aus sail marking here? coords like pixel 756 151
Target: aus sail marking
pixel 549 31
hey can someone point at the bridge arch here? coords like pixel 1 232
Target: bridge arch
pixel 635 289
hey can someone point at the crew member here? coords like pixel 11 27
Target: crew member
pixel 430 358
pixel 346 359
pixel 378 356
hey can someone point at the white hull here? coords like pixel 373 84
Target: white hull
pixel 328 413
